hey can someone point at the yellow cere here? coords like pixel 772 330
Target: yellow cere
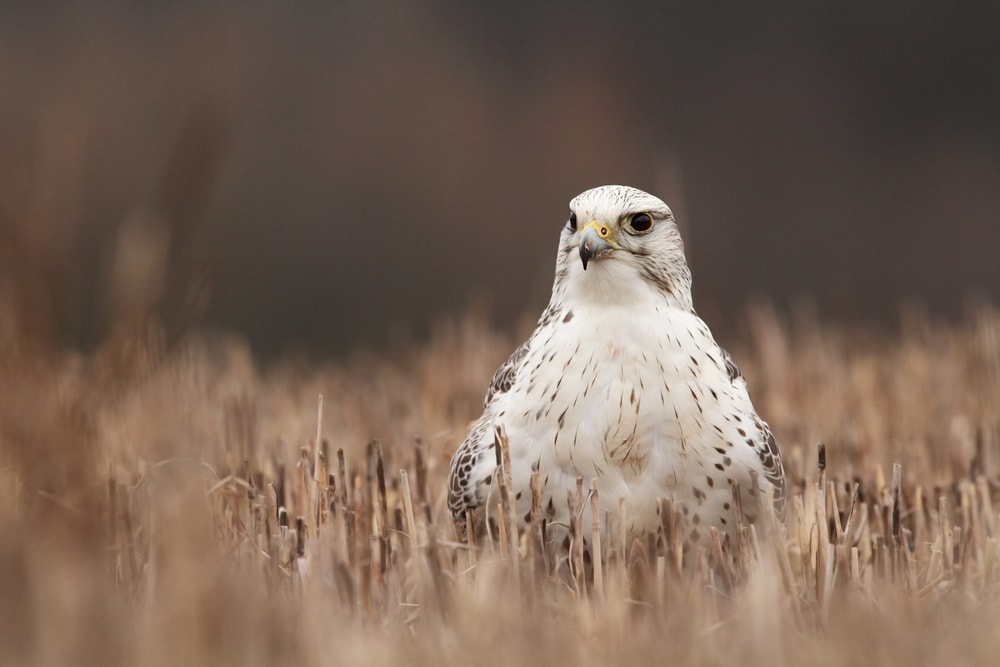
pixel 602 230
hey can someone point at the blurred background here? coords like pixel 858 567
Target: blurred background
pixel 318 176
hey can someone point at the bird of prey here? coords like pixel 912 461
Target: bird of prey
pixel 621 382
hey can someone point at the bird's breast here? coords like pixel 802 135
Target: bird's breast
pixel 609 390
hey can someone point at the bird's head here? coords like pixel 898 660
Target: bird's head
pixel 618 239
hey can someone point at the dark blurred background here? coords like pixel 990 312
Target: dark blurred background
pixel 320 175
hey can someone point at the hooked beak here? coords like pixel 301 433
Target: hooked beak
pixel 596 242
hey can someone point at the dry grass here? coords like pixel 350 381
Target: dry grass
pixel 174 508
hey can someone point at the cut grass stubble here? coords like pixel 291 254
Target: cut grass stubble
pixel 306 551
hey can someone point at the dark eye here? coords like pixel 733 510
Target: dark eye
pixel 640 223
pixel 572 220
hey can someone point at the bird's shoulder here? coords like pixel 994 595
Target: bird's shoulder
pixel 504 377
pixel 732 370
pixel 508 372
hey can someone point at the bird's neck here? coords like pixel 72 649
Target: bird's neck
pixel 602 288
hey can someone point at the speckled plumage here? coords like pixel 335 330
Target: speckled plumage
pixel 621 381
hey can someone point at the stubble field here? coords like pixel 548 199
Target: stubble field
pixel 186 506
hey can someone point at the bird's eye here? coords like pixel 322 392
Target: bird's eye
pixel 640 223
pixel 572 220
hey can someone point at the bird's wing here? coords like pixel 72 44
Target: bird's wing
pixel 770 461
pixel 462 490
pixel 461 487
pixel 765 446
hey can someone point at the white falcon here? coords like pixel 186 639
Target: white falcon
pixel 621 381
